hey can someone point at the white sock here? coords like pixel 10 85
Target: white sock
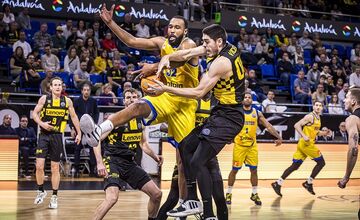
pixel 254 189
pixel 280 181
pixel 106 126
pixel 181 201
pixel 310 180
pixel 229 190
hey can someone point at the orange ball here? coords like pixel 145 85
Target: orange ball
pixel 146 81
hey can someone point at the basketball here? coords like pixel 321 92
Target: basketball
pixel 146 81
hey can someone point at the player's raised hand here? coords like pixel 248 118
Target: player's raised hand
pixel 105 14
pixel 147 69
pixel 164 64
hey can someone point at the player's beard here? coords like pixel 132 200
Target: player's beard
pixel 177 41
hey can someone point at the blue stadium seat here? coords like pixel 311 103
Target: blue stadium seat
pixel 307 54
pixel 308 60
pixel 230 39
pixel 340 49
pixel 327 46
pixel 94 78
pixel 51 28
pixel 42 75
pixel 268 72
pixel 6 53
pixel 35 26
pixel 64 76
pixel 348 52
pixel 62 54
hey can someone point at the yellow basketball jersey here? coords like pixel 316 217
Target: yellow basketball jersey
pixel 311 130
pixel 247 136
pixel 185 76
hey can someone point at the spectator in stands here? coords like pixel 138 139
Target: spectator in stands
pixel 49 61
pixel 262 51
pixel 292 46
pixel 319 95
pixel 269 105
pixel 142 30
pixel 317 40
pixel 342 93
pixel 247 57
pixel 85 104
pixel 255 86
pixel 323 61
pixel 45 83
pixel 81 76
pixel 334 106
pixel 90 44
pixel 67 28
pixel 270 38
pixel 299 52
pixel 108 43
pixel 355 53
pixel 255 37
pixel 116 76
pixel 335 64
pixel 17 62
pixel 13 34
pixel 5 128
pixel 313 76
pixel 285 68
pixel 330 85
pixel 23 44
pixel 31 76
pixel 98 31
pixel 107 92
pixel 200 5
pixel 283 49
pixel 347 67
pixel 27 142
pixel 322 81
pixel 37 62
pixel 23 19
pixel 339 74
pixel 72 61
pixel 302 89
pixel 335 13
pixel 156 29
pixel 128 25
pixel 8 16
pixel 102 63
pixel 85 55
pixel 281 39
pixel 341 134
pixel 326 71
pixel 3 35
pixel 325 138
pixel 42 38
pixel 58 40
pixel 339 85
pixel 305 42
pixel 81 29
pixel 63 91
pixel 90 34
pixel 72 38
pixel 79 45
pixel 355 78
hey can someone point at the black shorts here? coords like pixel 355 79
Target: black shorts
pixel 52 144
pixel 224 123
pixel 124 169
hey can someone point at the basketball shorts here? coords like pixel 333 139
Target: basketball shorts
pixel 245 155
pixel 52 144
pixel 124 169
pixel 177 112
pixel 305 150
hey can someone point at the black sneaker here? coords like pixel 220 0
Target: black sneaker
pixel 308 187
pixel 255 197
pixel 277 188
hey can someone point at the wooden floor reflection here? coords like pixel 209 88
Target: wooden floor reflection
pixel 329 202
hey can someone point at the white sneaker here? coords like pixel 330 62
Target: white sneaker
pixel 189 207
pixel 91 132
pixel 211 218
pixel 40 197
pixel 53 202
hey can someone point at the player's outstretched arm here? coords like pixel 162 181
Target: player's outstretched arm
pixel 353 150
pixel 99 161
pixel 144 144
pixel 270 129
pixel 128 39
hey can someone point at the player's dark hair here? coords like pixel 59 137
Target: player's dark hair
pixel 182 18
pixel 215 32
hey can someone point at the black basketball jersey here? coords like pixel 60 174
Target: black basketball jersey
pixel 230 90
pixel 55 111
pixel 123 140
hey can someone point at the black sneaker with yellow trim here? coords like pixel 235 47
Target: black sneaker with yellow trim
pixel 255 197
pixel 228 198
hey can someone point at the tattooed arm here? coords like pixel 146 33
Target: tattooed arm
pixel 351 127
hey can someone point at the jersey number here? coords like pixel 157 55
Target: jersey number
pixel 132 146
pixel 239 68
pixel 53 121
pixel 247 130
pixel 171 72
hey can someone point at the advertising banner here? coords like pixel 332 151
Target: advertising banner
pixel 330 30
pixel 80 9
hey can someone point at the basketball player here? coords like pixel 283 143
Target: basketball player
pixel 226 78
pixel 54 111
pixel 246 150
pixel 120 165
pixel 308 127
pixel 352 104
pixel 178 112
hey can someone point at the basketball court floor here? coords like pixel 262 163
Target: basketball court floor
pixel 330 202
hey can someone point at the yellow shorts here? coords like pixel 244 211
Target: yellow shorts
pixel 177 112
pixel 245 155
pixel 305 150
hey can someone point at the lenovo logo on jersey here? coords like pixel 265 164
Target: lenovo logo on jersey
pixel 55 112
pixel 131 137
